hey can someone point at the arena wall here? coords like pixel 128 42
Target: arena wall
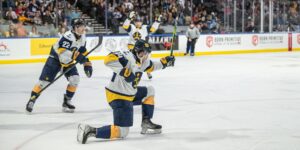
pixel 32 50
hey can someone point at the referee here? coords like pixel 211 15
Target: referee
pixel 192 35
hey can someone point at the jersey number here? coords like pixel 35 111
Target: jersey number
pixel 66 44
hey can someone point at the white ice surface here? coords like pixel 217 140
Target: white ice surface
pixel 230 102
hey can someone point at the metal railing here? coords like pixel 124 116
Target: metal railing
pixel 212 16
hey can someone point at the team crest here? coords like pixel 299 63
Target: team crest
pixel 209 41
pixel 137 35
pixel 298 38
pixel 254 40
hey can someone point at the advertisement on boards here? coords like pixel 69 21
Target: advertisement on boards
pixel 14 49
pixel 239 42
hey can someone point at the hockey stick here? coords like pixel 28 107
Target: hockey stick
pixel 173 36
pixel 173 39
pixel 100 39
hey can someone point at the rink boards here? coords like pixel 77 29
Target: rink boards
pixel 31 50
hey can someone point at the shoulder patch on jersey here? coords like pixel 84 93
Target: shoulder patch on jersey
pixel 116 56
pixel 110 58
pixel 64 43
pixel 69 35
pixel 123 61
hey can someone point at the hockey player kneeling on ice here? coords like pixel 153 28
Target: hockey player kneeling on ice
pixel 68 49
pixel 123 92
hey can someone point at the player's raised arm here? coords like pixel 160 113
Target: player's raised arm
pixel 152 28
pixel 127 22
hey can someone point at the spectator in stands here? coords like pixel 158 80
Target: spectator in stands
pixel 192 35
pixel 290 28
pixel 11 31
pixel 50 30
pixel 23 18
pixel 128 6
pixel 47 19
pixel 11 15
pixel 117 14
pixel 60 16
pixel 75 14
pixel 211 22
pixel 37 18
pixel 68 12
pixel 61 31
pixel 19 10
pixel 2 33
pixel 20 30
pixel 250 26
pixel 8 3
pixel 34 32
pixel 101 11
pixel 173 11
pixel 32 8
pixel 115 22
pixel 203 23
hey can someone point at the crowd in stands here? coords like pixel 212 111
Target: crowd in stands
pixel 54 15
pixel 203 13
pixel 207 15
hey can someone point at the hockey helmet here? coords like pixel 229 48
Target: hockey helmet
pixel 142 45
pixel 138 19
pixel 141 50
pixel 77 22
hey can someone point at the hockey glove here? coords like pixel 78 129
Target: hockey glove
pixel 159 18
pixel 167 61
pixel 79 57
pixel 127 74
pixel 88 69
pixel 132 15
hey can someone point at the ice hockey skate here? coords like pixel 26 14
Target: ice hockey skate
pixel 29 106
pixel 148 127
pixel 84 132
pixel 68 107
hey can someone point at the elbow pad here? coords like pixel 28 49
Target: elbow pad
pixel 127 74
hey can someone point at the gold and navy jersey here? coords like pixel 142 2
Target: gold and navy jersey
pixel 136 33
pixel 119 88
pixel 65 47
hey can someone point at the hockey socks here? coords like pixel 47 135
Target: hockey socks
pixel 70 91
pixel 108 132
pixel 148 107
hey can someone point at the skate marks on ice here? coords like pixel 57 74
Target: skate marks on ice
pixel 50 125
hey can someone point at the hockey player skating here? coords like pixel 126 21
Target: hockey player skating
pixel 138 31
pixel 68 49
pixel 123 92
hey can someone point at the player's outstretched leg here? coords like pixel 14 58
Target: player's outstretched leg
pixel 105 132
pixel 30 104
pixel 34 95
pixel 84 132
pixel 67 105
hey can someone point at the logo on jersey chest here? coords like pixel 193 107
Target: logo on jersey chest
pixel 137 35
